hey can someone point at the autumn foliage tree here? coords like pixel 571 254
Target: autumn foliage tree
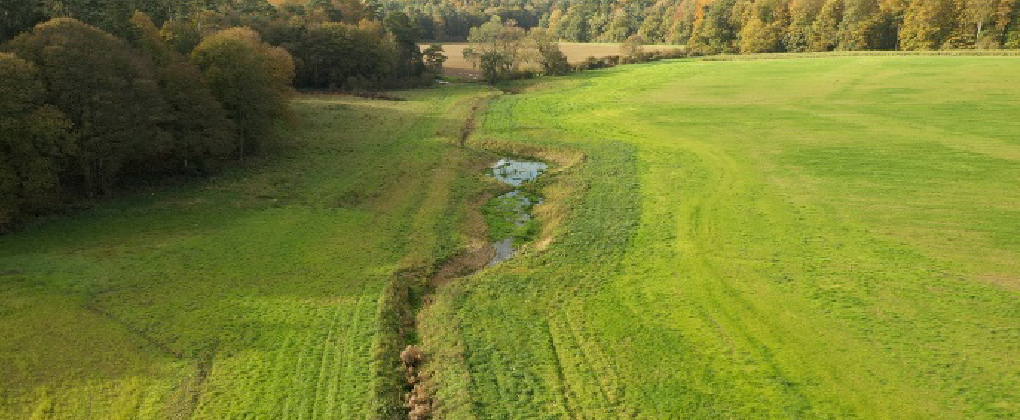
pixel 927 24
pixel 763 26
pixel 250 78
pixel 749 26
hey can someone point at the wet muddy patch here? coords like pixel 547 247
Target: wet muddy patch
pixel 508 216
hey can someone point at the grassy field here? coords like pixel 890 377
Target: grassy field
pixel 456 65
pixel 826 238
pixel 252 295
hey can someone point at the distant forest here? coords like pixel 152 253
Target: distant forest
pixel 742 26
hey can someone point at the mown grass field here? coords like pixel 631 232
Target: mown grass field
pixel 255 294
pixel 576 52
pixel 825 238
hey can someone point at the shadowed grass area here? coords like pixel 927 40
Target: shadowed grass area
pixel 252 295
pixel 824 238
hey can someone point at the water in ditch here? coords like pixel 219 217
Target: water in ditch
pixel 509 215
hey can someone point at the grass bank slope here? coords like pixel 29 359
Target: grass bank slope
pixel 252 295
pixel 828 238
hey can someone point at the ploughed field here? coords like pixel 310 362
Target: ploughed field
pixel 805 238
pixel 802 238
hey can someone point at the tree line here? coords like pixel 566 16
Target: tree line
pixel 746 26
pixel 501 49
pixel 337 44
pixel 85 110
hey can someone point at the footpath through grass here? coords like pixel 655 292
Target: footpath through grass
pixel 253 295
pixel 827 238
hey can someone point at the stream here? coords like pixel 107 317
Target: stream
pixel 509 215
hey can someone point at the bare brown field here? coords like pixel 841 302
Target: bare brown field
pixel 457 66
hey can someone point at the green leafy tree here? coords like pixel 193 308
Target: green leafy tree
pixel 494 66
pixel 196 120
pixel 251 79
pixel 37 139
pixel 984 21
pixel 575 25
pixel 1010 24
pixel 337 55
pixel 326 55
pixel 434 58
pixel 717 31
pixel 621 25
pixel 802 17
pixel 553 61
pixel 652 27
pixel 17 16
pixel 406 35
pixel 1007 21
pixel 497 48
pixel 107 89
pixel 183 35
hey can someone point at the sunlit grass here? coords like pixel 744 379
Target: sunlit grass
pixel 824 238
pixel 251 295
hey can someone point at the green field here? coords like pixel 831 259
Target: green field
pixel 252 295
pixel 802 238
pixel 823 238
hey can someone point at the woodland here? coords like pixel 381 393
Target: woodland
pixel 94 99
pixel 744 26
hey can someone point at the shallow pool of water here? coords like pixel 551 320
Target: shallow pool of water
pixel 516 172
pixel 514 206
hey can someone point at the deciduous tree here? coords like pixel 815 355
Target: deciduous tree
pixel 553 61
pixel 926 24
pixel 497 48
pixel 107 89
pixel 249 78
pixel 825 29
pixel 195 119
pixel 802 17
pixel 37 139
pixel 17 16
